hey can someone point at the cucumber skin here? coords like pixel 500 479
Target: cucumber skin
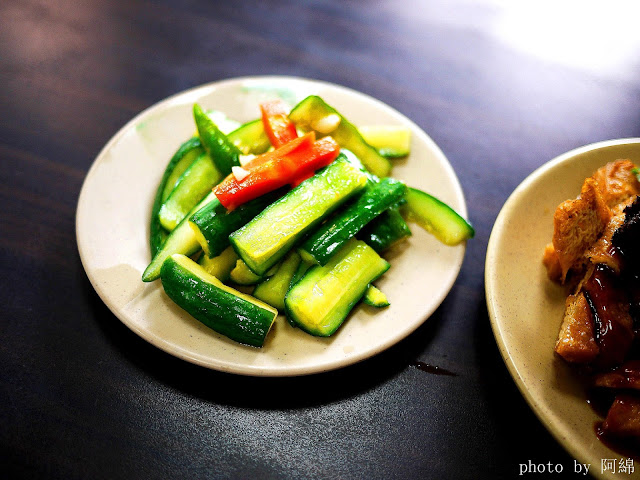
pixel 250 138
pixel 385 230
pixel 346 134
pixel 436 217
pixel 216 223
pixel 332 235
pixel 302 269
pixel 356 292
pixel 186 245
pixel 374 297
pixel 221 310
pixel 222 151
pixel 188 158
pixel 201 176
pixel 157 233
pixel 241 238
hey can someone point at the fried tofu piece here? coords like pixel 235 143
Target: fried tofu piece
pixel 552 263
pixel 576 341
pixel 577 224
pixel 583 227
pixel 617 182
pixel 592 235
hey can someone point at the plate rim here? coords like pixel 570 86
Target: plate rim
pixel 199 91
pixel 541 412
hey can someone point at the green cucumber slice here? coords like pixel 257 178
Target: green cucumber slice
pixel 229 312
pixel 271 234
pixel 188 152
pixel 250 138
pixel 312 112
pixel 321 301
pixel 436 217
pixel 391 141
pixel 299 273
pixel 222 121
pixel 273 289
pixel 221 150
pixel 220 266
pixel 181 240
pixel 297 276
pixel 194 184
pixel 242 275
pixel 385 230
pixel 374 297
pixel 213 223
pixel 335 232
pixel 181 159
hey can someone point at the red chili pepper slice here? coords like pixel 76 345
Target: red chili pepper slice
pixel 287 165
pixel 279 129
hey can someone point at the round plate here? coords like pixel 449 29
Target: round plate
pixel 526 308
pixel 112 232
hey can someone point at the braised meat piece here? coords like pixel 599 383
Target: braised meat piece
pixel 626 376
pixel 613 324
pixel 603 251
pixel 623 418
pixel 626 240
pixel 597 327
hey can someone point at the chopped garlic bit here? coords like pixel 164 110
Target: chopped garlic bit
pixel 326 124
pixel 244 159
pixel 239 172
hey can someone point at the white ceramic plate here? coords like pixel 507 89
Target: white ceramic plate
pixel 526 309
pixel 112 232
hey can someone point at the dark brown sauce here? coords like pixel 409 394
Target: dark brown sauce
pixel 605 299
pixel 600 400
pixel 615 302
pixel 616 255
pixel 627 447
pixel 434 369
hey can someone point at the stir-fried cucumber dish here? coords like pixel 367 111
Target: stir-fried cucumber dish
pixel 290 213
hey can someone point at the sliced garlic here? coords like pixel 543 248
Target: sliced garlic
pixel 326 124
pixel 239 173
pixel 244 159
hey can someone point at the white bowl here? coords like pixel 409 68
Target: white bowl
pixel 112 233
pixel 526 308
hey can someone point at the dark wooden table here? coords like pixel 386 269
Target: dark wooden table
pixel 501 89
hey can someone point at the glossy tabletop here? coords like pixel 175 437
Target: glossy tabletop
pixel 501 87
